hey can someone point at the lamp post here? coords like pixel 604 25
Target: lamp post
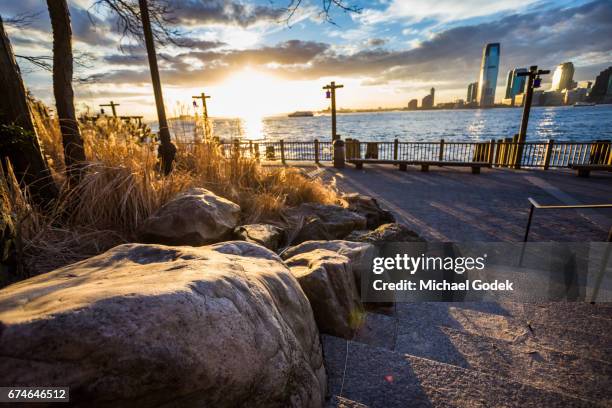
pixel 331 93
pixel 112 106
pixel 203 97
pixel 533 81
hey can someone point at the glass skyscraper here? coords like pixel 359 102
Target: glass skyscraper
pixel 515 84
pixel 489 68
pixel 563 78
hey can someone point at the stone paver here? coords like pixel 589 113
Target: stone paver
pixel 451 204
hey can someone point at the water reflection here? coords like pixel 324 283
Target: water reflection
pixel 252 127
pixel 561 123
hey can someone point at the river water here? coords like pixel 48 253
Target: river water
pixel 559 123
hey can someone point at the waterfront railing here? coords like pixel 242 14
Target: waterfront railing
pixel 500 153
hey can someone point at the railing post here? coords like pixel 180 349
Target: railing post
pixel 316 147
pixel 251 148
pixel 237 147
pixel 441 155
pixel 282 149
pixel 507 151
pixel 339 153
pixel 498 149
pixel 357 148
pixel 395 149
pixel 518 151
pixel 548 153
pixel 256 151
pixel 491 151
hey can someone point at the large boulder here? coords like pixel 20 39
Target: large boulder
pixel 263 234
pixel 146 325
pixel 321 221
pixel 327 279
pixel 369 208
pixel 195 217
pixel 385 233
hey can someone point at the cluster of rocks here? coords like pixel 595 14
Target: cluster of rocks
pixel 203 312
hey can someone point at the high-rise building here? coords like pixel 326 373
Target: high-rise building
pixel 563 77
pixel 489 68
pixel 412 105
pixel 472 93
pixel 515 84
pixel 428 100
pixel 600 87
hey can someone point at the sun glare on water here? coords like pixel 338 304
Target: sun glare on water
pixel 249 95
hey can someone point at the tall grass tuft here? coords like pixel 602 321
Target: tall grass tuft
pixel 120 187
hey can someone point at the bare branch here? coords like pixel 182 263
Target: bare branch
pixel 129 25
pixel 40 61
pixel 326 9
pixel 22 20
pixel 45 62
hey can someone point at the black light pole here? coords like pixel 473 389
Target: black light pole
pixel 331 93
pixel 533 81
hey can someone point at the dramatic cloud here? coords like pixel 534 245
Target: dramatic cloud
pixel 440 10
pixel 450 57
pixel 199 12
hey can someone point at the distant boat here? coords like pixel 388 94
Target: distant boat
pixel 580 104
pixel 301 114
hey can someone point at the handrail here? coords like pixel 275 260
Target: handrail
pixel 535 204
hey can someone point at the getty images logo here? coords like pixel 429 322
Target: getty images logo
pixel 412 264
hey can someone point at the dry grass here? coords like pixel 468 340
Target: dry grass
pixel 121 188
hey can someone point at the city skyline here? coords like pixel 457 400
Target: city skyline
pixel 388 54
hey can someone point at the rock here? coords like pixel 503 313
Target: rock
pixel 148 325
pixel 360 254
pixel 369 208
pixel 327 279
pixel 263 234
pixel 321 221
pixel 393 232
pixel 196 217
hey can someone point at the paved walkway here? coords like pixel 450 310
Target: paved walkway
pixel 451 204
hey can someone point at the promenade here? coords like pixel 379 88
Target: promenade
pixel 451 204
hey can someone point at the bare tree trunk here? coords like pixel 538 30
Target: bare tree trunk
pixel 167 150
pixel 74 152
pixel 18 139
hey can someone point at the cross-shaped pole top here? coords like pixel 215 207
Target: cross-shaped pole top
pixel 202 96
pixel 112 105
pixel 333 86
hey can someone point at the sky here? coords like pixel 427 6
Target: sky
pixel 255 60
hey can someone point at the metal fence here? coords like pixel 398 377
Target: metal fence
pixel 499 153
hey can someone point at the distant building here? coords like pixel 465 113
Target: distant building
pixel 552 98
pixel 445 105
pixel 563 77
pixel 601 91
pixel 472 93
pixel 413 104
pixel 575 95
pixel 508 101
pixel 489 69
pixel 538 98
pixel 585 84
pixel 515 84
pixel 428 100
